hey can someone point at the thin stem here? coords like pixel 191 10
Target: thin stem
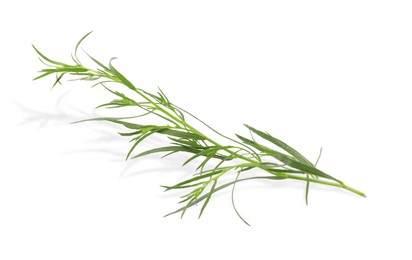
pixel 187 126
pixel 186 138
pixel 249 150
pixel 339 185
pixel 233 200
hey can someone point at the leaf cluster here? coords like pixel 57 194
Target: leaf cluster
pixel 274 160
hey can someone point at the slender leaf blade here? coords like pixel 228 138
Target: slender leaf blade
pixel 166 149
pixel 47 59
pixel 196 178
pixel 212 190
pixel 181 134
pixel 77 47
pixel 194 202
pixel 280 144
pixel 290 161
pixel 98 62
pixel 43 75
pixel 120 76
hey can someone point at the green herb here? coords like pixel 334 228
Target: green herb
pixel 278 161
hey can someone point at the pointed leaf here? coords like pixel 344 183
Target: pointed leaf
pixel 166 149
pixel 98 62
pixel 181 134
pixel 130 134
pixel 194 202
pixel 120 76
pixel 290 161
pixel 199 177
pixel 47 59
pixel 138 140
pixel 280 144
pixel 77 46
pixel 43 75
pixel 113 120
pixel 212 190
pixel 307 189
pixel 186 142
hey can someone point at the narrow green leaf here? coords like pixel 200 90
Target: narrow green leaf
pixel 186 142
pixel 138 140
pixel 184 200
pixel 58 80
pixel 320 155
pixel 181 187
pixel 47 59
pixel 43 75
pixel 168 154
pixel 280 144
pixel 69 69
pixel 113 120
pixel 131 133
pixel 47 65
pixel 101 83
pixel 166 149
pixel 287 159
pixel 199 177
pixel 120 76
pixel 98 63
pixel 179 113
pixel 194 202
pixel 186 207
pixel 116 103
pixel 244 169
pixel 77 47
pixel 125 99
pixel 181 134
pixel 166 100
pixel 193 157
pixel 212 190
pixel 307 189
pixel 207 159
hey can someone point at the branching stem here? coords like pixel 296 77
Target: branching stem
pixel 278 162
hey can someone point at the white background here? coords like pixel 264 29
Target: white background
pixel 334 74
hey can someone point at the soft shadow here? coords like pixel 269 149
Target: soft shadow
pixel 160 166
pixel 61 113
pixel 105 141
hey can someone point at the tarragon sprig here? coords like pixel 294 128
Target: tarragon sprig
pixel 278 161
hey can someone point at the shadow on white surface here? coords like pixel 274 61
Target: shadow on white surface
pixel 61 113
pixel 105 140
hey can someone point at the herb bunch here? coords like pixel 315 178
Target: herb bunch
pixel 278 161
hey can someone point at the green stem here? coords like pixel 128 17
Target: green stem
pixel 188 126
pixel 227 149
pixel 339 185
